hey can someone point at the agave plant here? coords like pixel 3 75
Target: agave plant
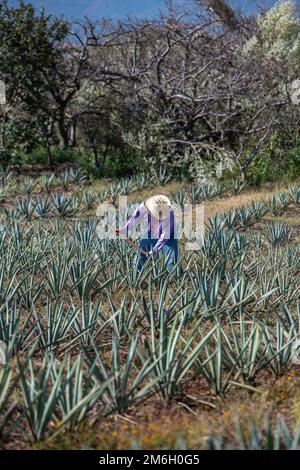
pixel 212 362
pixel 125 186
pixel 74 205
pixel 250 436
pixel 31 287
pixel 77 175
pixel 195 194
pixel 40 401
pixel 64 205
pixel 46 395
pixel 161 177
pixel 114 191
pixel 279 233
pixel 141 181
pixel 84 275
pixel 129 382
pixel 279 347
pixel 88 200
pixel 3 193
pixel 207 285
pixel 88 322
pixel 5 176
pixel 65 179
pixel 123 320
pixel 78 397
pixel 258 210
pixel 57 326
pixel 58 271
pixel 42 207
pixel 179 198
pixel 295 195
pixel 6 408
pixel 277 204
pixel 47 182
pixel 284 200
pixel 210 190
pixel 10 327
pixel 102 195
pixel 5 380
pixel 248 215
pixel 243 348
pixel 86 234
pixel 25 207
pixel 230 219
pixel 11 214
pixel 28 186
pixel 172 354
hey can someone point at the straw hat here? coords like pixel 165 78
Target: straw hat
pixel 158 206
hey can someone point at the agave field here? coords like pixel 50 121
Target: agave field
pixel 92 344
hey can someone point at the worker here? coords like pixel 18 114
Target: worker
pixel 160 235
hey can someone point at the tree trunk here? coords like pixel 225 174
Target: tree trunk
pixel 50 157
pixel 98 164
pixel 63 129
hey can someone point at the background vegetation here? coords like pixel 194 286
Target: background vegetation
pixel 208 92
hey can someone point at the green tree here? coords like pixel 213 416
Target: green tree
pixel 29 62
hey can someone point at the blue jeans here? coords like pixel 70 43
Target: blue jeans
pixel 147 244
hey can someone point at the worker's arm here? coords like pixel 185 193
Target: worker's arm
pixel 134 219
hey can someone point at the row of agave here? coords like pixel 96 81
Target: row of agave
pixel 61 204
pixel 63 392
pixel 138 182
pixel 45 183
pixel 163 363
pixel 57 204
pixel 198 194
pixel 72 257
pixel 247 215
pixel 225 277
pixel 50 183
pixel 224 314
pixel 125 186
pixel 249 435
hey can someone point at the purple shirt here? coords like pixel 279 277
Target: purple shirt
pixel 162 230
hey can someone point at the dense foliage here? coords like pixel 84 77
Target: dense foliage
pixel 213 92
